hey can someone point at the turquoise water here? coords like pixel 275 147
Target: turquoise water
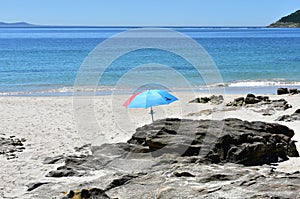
pixel 46 60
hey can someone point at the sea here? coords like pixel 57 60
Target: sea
pixel 46 60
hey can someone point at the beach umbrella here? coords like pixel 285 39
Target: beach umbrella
pixel 149 98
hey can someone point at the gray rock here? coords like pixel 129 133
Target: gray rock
pixel 63 172
pixel 202 100
pixel 216 99
pixel 33 186
pixel 251 100
pixel 261 104
pixel 282 91
pixel 248 143
pixel 230 140
pixel 213 100
pixel 9 147
pixel 290 118
pixel 211 181
pixel 176 158
pixel 294 91
pixel 53 160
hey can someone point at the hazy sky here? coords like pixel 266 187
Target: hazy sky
pixel 147 12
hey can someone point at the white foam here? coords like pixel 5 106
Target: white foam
pixel 262 83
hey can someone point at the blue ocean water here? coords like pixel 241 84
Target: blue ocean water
pixel 46 60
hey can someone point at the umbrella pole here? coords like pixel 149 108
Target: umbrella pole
pixel 151 112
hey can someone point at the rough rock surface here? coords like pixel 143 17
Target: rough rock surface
pixel 175 158
pixel 230 140
pixel 9 147
pixel 290 118
pixel 162 181
pixel 214 99
pixel 93 193
pixel 261 104
pixel 283 91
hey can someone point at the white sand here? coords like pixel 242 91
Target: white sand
pixel 52 127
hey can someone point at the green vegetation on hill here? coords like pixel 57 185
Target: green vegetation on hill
pixel 294 17
pixel 290 21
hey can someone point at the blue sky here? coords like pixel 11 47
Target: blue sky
pixel 147 12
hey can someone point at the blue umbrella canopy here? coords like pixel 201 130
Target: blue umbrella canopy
pixel 150 98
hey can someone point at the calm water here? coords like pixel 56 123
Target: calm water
pixel 38 60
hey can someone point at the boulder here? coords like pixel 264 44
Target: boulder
pixel 282 91
pixel 213 100
pixel 290 118
pixel 248 143
pixel 251 99
pixel 261 104
pixel 237 102
pixel 294 91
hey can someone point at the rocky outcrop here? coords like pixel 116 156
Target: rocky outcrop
pixel 210 141
pixel 261 104
pixel 290 118
pixel 214 99
pixel 290 21
pixel 9 147
pixel 178 158
pixel 226 181
pixel 230 140
pixel 283 91
pixel 184 179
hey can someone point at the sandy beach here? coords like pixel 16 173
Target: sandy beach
pixel 49 128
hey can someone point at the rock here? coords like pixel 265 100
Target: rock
pixel 71 194
pixel 181 158
pixel 251 99
pixel 9 147
pixel 213 100
pixel 93 193
pixel 239 99
pixel 33 186
pixel 282 91
pixel 239 142
pixel 183 174
pixel 290 118
pixel 294 91
pixel 197 100
pixel 212 181
pixel 281 104
pixel 120 181
pixel 237 102
pixel 261 104
pixel 216 99
pixel 63 173
pixel 200 100
pixel 53 160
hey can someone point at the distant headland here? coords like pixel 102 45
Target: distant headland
pixel 17 24
pixel 290 21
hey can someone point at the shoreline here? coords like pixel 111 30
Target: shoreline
pixel 109 90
